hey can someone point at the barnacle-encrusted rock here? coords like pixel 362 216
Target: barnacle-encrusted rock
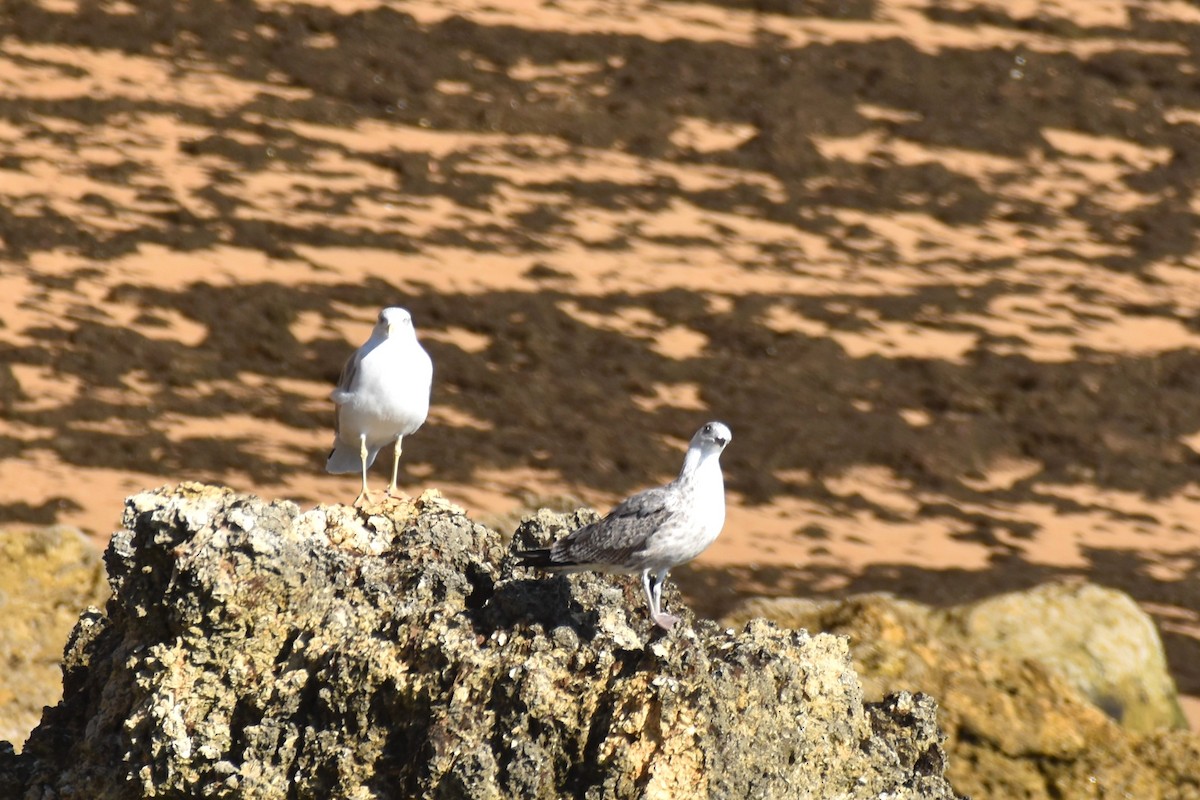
pixel 251 650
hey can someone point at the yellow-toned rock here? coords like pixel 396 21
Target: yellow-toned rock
pixel 1015 702
pixel 47 576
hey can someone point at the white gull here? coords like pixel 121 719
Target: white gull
pixel 381 397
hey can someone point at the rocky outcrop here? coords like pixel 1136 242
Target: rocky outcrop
pixel 1019 728
pixel 1096 639
pixel 47 576
pixel 251 650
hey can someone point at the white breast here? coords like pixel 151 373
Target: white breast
pixel 390 395
pixel 698 525
pixel 709 495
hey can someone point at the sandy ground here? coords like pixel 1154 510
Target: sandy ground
pixel 934 262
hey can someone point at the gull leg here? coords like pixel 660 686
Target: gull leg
pixel 364 496
pixel 666 621
pixel 649 588
pixel 653 587
pixel 395 467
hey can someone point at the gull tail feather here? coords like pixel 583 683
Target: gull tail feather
pixel 344 458
pixel 540 557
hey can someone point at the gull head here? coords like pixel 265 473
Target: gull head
pixel 394 320
pixel 712 438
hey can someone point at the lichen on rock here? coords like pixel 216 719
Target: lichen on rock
pixel 251 650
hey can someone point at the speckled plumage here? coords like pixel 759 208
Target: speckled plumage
pixel 654 530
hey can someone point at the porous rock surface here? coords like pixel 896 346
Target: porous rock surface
pixel 1017 728
pixel 251 650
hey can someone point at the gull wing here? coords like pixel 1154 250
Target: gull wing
pixel 622 534
pixel 347 378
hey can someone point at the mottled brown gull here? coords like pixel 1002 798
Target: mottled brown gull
pixel 654 530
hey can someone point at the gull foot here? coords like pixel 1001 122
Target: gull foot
pixel 362 499
pixel 664 621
